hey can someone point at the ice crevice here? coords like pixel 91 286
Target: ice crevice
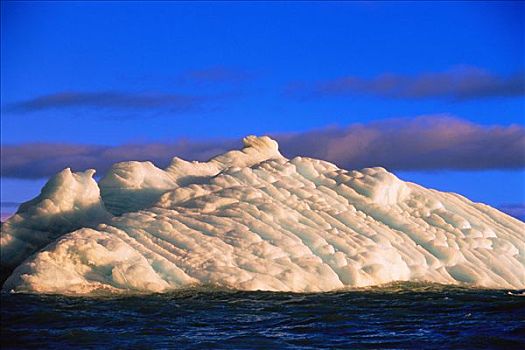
pixel 251 219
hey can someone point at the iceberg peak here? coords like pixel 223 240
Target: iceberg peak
pixel 262 143
pixel 256 150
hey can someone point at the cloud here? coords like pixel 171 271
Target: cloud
pixel 5 216
pixel 214 76
pixel 515 210
pixel 109 99
pixel 423 143
pixel 37 160
pixel 9 204
pixel 7 210
pixel 458 83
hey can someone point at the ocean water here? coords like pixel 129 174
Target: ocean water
pixel 400 316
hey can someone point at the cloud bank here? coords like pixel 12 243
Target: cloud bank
pixel 423 143
pixel 215 76
pixel 38 160
pixel 109 99
pixel 459 83
pixel 515 210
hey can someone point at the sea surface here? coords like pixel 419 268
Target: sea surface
pixel 400 316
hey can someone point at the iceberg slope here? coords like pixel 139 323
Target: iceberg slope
pixel 254 220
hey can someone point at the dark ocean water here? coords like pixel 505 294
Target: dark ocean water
pixel 399 316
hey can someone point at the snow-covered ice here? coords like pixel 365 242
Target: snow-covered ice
pixel 253 220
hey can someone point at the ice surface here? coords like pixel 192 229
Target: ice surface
pixel 254 220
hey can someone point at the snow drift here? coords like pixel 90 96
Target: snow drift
pixel 253 220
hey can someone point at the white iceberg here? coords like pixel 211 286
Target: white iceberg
pixel 253 220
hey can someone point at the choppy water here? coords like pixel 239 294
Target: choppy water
pixel 400 316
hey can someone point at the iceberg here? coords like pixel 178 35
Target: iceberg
pixel 252 219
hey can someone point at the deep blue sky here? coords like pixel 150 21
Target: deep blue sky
pixel 238 66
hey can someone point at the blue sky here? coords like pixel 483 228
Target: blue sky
pixel 122 73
